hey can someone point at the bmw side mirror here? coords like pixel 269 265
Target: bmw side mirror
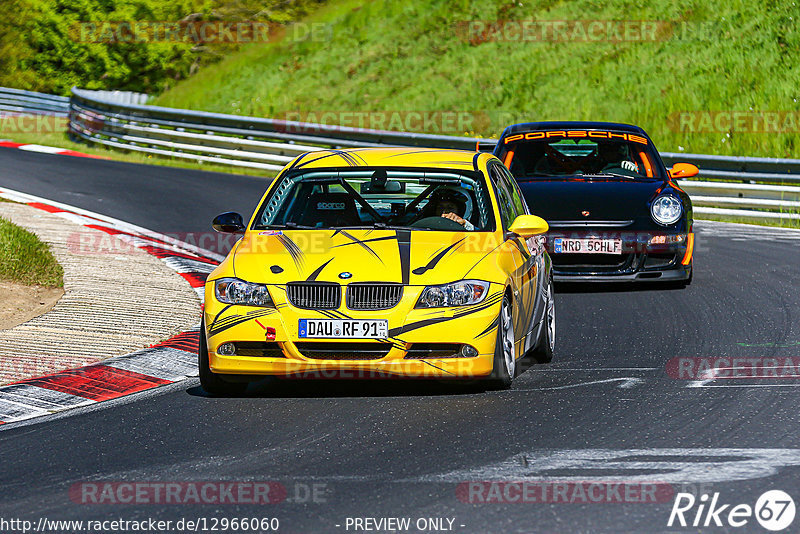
pixel 528 226
pixel 228 223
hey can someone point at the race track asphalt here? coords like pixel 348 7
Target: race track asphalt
pixel 605 410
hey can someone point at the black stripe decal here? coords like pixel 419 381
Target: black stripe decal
pixel 431 264
pixel 404 247
pixel 349 159
pixel 394 332
pixel 439 368
pixel 466 275
pixel 216 317
pixel 491 301
pixel 489 328
pixel 250 315
pixel 230 322
pixel 293 250
pixel 298 160
pixel 313 276
pixel 361 243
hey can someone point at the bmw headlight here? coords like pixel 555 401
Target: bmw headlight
pixel 235 291
pixel 666 210
pixel 456 294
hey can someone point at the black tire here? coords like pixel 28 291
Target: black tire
pixel 213 383
pixel 503 370
pixel 545 345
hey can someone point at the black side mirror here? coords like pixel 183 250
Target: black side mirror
pixel 228 223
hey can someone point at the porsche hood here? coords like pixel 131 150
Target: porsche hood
pixel 604 199
pixel 356 255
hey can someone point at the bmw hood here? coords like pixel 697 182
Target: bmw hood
pixel 603 199
pixel 415 257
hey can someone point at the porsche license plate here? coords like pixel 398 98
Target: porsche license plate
pixel 344 328
pixel 563 245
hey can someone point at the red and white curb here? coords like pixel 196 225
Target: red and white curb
pixel 31 147
pixel 165 363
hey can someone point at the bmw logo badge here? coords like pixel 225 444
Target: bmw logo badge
pixel 345 275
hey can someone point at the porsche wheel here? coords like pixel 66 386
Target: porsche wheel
pixel 543 353
pixel 505 365
pixel 211 382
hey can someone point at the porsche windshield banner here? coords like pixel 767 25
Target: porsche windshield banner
pixel 575 134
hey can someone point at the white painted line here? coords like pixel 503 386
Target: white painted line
pixel 698 383
pixel 185 265
pixel 165 363
pixel 627 383
pixel 11 412
pixel 41 397
pixel 42 148
pixel 693 466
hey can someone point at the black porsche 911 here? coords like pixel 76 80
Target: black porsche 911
pixel 614 209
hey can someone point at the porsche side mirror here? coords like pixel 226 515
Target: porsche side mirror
pixel 529 225
pixel 683 170
pixel 228 223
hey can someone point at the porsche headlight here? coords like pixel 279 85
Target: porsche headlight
pixel 456 294
pixel 666 210
pixel 235 291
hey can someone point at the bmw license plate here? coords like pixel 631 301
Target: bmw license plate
pixel 344 328
pixel 564 245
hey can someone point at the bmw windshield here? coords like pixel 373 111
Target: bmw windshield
pixel 546 154
pixel 378 198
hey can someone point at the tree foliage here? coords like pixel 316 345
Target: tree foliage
pixel 51 45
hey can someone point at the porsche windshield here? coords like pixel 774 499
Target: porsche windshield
pixel 378 198
pixel 621 155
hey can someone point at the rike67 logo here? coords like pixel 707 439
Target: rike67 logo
pixel 774 510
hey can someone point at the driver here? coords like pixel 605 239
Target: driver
pixel 452 203
pixel 610 156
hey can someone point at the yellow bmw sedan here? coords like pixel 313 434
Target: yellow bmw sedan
pixel 381 263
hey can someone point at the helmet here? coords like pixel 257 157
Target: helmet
pixel 457 196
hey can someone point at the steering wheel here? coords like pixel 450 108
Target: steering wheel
pixel 437 223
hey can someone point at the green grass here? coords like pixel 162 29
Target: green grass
pixel 26 259
pixel 393 55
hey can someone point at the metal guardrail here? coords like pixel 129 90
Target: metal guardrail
pixel 747 187
pixel 17 101
pixel 227 139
